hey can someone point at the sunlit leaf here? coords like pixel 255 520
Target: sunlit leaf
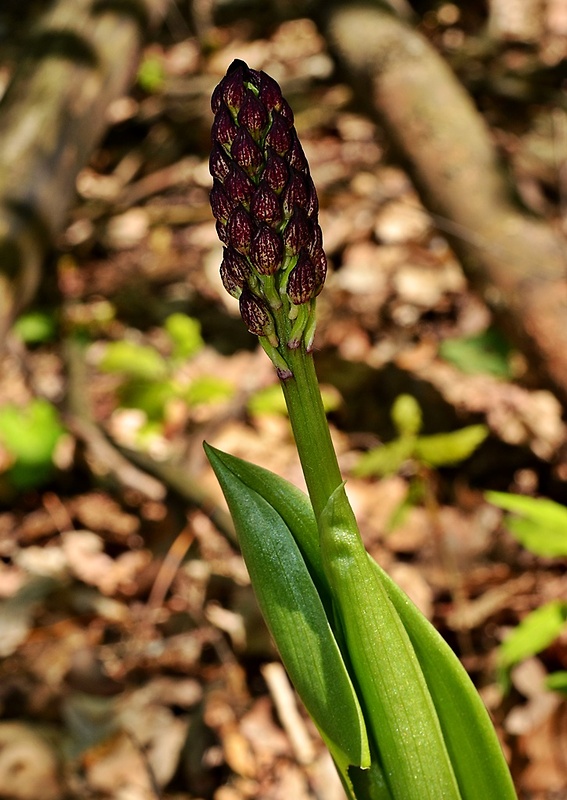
pixel 35 327
pixel 557 681
pixel 150 397
pixel 444 449
pixel 534 633
pixel 385 459
pixel 151 74
pixel 541 524
pixel 185 334
pixel 406 415
pixel 208 389
pixel 487 352
pixel 30 434
pixel 135 360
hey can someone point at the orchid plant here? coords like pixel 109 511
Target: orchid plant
pixel 398 712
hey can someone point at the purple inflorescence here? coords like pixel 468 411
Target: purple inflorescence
pixel 263 199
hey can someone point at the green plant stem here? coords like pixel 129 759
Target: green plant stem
pixel 311 429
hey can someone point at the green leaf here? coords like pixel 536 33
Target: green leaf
pixel 542 526
pixel 185 334
pixel 406 415
pixel 472 743
pixel 443 449
pixel 293 609
pixel 385 459
pixel 151 74
pixel 208 389
pixel 399 708
pixel 30 434
pixel 151 397
pixel 488 353
pixel 134 360
pixel 557 681
pixel 35 327
pixel 534 633
pixel 270 400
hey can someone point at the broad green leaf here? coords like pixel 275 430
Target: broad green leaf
pixel 30 434
pixel 443 449
pixel 399 708
pixel 185 334
pixel 135 360
pixel 208 389
pixel 534 633
pixel 406 415
pixel 542 526
pixel 385 459
pixel 294 614
pixel 487 353
pixel 557 681
pixel 470 737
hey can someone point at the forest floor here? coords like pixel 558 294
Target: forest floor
pixel 134 664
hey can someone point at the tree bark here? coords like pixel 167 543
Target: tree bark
pixel 81 57
pixel 515 260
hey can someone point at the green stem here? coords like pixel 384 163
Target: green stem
pixel 311 429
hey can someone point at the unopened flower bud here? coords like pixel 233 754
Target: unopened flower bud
pixel 297 231
pixel 276 173
pixel 246 152
pixel 265 205
pixel 240 229
pixel 224 127
pixel 234 271
pixel 219 165
pixel 253 116
pixel 266 250
pixel 255 314
pixel 238 186
pixel 296 156
pixel 221 203
pixel 279 137
pixel 295 195
pixel 233 88
pixel 304 282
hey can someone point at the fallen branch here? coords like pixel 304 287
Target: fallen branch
pixel 516 261
pixel 81 56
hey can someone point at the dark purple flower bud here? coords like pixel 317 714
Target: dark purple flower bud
pixel 313 200
pixel 276 173
pixel 305 281
pixel 296 156
pixel 297 232
pixel 253 116
pixel 224 127
pixel 295 195
pixel 279 136
pixel 246 152
pixel 219 164
pixel 240 229
pixel 319 261
pixel 216 98
pixel 265 205
pixel 238 186
pixel 234 271
pixel 233 85
pixel 221 203
pixel 266 250
pixel 222 232
pixel 270 93
pixel 255 314
pixel 315 241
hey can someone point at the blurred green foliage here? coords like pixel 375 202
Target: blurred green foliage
pixel 540 525
pixel 29 435
pixel 488 352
